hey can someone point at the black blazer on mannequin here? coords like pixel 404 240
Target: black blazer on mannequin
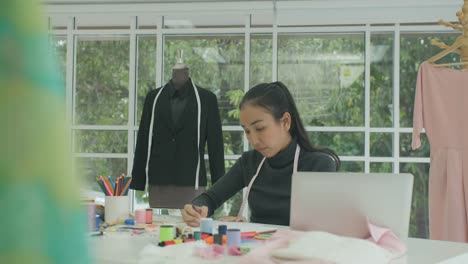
pixel 174 150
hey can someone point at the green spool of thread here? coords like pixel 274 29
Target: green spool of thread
pixel 197 235
pixel 166 232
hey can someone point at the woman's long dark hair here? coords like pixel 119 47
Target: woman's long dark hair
pixel 276 99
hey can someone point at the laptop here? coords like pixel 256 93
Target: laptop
pixel 339 203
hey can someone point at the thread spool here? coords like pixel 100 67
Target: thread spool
pixel 233 238
pixel 98 222
pixel 197 235
pixel 149 216
pixel 206 225
pixel 222 229
pixel 166 232
pixel 129 221
pixel 91 212
pixel 140 216
pixel 218 239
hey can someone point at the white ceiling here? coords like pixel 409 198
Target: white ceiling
pixel 317 12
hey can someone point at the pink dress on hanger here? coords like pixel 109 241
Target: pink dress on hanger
pixel 441 108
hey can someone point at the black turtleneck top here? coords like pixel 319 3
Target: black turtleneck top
pixel 270 195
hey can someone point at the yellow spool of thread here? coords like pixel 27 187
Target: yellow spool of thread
pixel 166 232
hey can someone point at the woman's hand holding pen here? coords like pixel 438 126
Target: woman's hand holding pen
pixel 192 214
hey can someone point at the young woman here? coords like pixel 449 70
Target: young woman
pixel 274 128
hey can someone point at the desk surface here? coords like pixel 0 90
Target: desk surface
pixel 126 248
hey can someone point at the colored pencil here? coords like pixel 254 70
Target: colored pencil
pixel 125 189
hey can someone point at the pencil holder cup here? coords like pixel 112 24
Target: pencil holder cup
pixel 116 207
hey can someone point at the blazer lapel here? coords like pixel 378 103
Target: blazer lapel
pixel 164 106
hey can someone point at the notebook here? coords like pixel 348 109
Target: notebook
pixel 339 203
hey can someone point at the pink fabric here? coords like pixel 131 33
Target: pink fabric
pixel 261 255
pixel 234 251
pixel 385 238
pixel 210 252
pixel 440 107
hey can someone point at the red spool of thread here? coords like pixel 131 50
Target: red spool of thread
pixel 149 216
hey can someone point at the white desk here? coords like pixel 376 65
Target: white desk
pixel 126 248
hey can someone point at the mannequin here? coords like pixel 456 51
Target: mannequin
pixel 178 120
pixel 180 77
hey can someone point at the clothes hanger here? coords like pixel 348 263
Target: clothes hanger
pixel 460 45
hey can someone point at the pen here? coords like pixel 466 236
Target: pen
pixel 195 208
pixel 268 231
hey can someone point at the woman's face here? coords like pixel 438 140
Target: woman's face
pixel 264 133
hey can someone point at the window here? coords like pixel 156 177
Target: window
pixel 342 78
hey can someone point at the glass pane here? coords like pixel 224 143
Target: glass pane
pixel 405 146
pixel 90 168
pixel 59 45
pixel 325 74
pixel 141 200
pixel 233 142
pixel 146 73
pixel 216 63
pixel 381 80
pixel 381 145
pixel 382 167
pixel 343 143
pixel 102 66
pixel 90 141
pixel 419 221
pixel 352 166
pixel 414 49
pixel 232 205
pixel 204 21
pixel 260 59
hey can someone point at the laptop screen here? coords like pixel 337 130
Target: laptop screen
pixel 341 203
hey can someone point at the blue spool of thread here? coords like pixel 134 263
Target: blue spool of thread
pixel 197 235
pixel 206 225
pixel 98 222
pixel 222 229
pixel 129 221
pixel 233 237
